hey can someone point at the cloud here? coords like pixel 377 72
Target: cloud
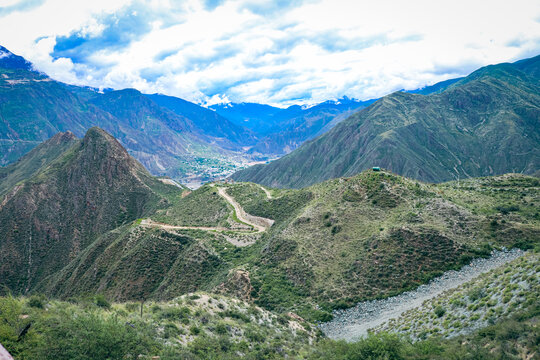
pixel 278 52
pixel 22 5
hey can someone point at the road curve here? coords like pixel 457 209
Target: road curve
pixel 268 195
pixel 259 223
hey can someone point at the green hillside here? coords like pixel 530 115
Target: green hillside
pixel 484 124
pixel 81 220
pixel 194 326
pixel 48 218
pixel 333 244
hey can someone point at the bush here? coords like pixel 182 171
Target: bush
pixel 220 329
pixel 439 311
pixel 100 301
pixel 476 294
pixel 37 301
pixel 89 336
pixel 194 330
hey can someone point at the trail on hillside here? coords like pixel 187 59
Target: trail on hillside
pixel 268 195
pixel 354 323
pixel 258 223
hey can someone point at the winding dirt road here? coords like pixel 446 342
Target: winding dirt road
pixel 268 195
pixel 258 223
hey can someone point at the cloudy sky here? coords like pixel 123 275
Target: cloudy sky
pixel 277 52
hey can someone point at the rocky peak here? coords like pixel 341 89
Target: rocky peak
pixel 101 152
pixel 62 138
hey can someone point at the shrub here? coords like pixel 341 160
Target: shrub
pixel 220 328
pixel 439 311
pixel 100 301
pixel 336 229
pixel 194 330
pixel 89 336
pixel 37 301
pixel 476 294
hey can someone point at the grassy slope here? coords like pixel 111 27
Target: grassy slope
pixel 209 326
pixel 195 326
pixel 377 234
pixel 485 124
pixel 476 304
pixel 202 207
pixel 345 240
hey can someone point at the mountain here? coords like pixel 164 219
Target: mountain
pixel 37 159
pixel 332 244
pixel 484 124
pixel 283 130
pixel 259 118
pixel 8 60
pixel 33 108
pixel 72 229
pixel 435 88
pixel 59 197
pixel 82 220
pixel 303 125
pixel 209 122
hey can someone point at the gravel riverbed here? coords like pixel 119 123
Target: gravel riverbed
pixel 352 324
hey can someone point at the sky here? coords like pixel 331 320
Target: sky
pixel 274 52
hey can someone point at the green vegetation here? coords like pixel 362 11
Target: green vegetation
pixel 484 124
pixel 205 326
pixel 199 326
pixel 283 205
pixel 202 207
pixel 499 294
pixel 514 337
pixel 333 244
pixel 59 210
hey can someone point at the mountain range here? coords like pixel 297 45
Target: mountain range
pixel 283 130
pixel 126 234
pixel 487 123
pixel 83 223
pixel 169 135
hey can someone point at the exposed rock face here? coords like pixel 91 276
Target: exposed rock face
pixel 238 284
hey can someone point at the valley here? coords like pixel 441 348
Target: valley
pixel 145 226
pixel 301 256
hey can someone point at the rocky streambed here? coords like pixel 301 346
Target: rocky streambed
pixel 352 324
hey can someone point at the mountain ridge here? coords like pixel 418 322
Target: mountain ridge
pixel 91 187
pixel 490 117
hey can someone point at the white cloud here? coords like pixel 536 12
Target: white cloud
pixel 245 50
